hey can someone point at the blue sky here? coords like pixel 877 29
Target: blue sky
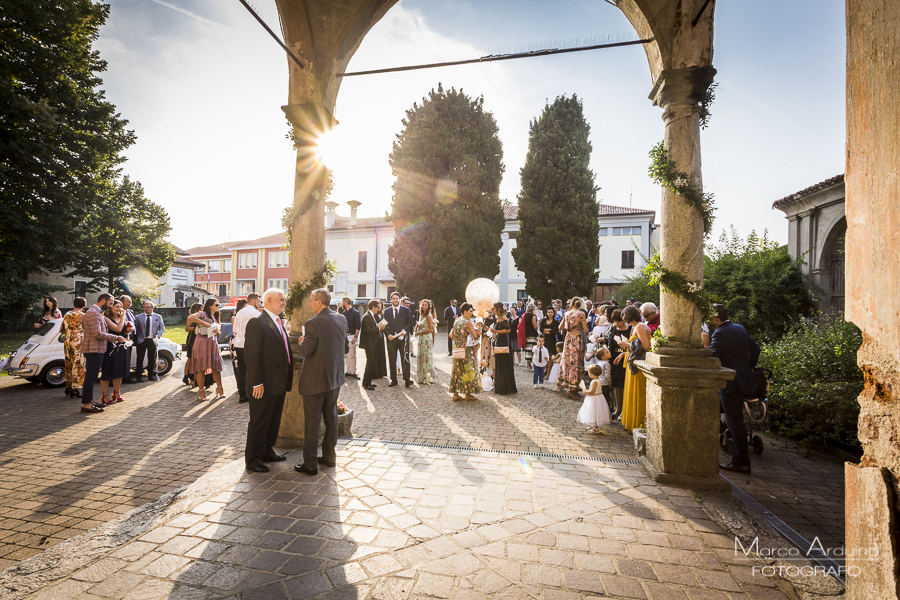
pixel 202 86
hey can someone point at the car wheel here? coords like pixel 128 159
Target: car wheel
pixel 54 375
pixel 163 363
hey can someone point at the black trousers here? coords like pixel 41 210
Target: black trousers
pixel 315 409
pixel 240 373
pixel 450 341
pixel 129 377
pixel 371 371
pixel 393 347
pixel 733 406
pixel 149 348
pixel 610 400
pixel 262 430
pixel 93 361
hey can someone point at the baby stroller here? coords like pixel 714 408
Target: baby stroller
pixel 756 412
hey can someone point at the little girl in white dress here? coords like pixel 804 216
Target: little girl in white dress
pixel 595 411
pixel 554 365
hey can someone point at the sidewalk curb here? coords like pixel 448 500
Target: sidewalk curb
pixel 70 556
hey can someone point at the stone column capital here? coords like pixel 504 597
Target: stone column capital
pixel 682 87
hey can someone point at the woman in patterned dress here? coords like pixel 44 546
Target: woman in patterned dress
pixel 575 324
pixel 464 377
pixel 425 329
pixel 74 334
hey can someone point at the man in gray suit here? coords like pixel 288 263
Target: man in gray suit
pixel 148 328
pixel 321 379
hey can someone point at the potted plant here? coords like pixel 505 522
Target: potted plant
pixel 345 420
pixel 640 439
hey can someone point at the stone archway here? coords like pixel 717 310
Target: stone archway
pixel 830 267
pixel 683 380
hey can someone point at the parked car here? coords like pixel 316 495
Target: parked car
pixel 225 315
pixel 42 357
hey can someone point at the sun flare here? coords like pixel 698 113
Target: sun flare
pixel 327 149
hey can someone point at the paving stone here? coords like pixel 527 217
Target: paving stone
pixel 635 568
pixel 438 586
pixel 623 586
pixel 273 591
pixel 196 573
pixel 165 565
pixel 346 574
pixel 151 590
pixel 307 586
pixel 100 570
pixel 588 582
pixel 392 588
pixel 117 585
pixel 228 578
pixel 63 591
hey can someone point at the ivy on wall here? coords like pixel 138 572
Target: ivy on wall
pixel 676 283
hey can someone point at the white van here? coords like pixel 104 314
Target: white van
pixel 42 357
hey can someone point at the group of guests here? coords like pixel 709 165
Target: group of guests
pixel 387 335
pixel 98 343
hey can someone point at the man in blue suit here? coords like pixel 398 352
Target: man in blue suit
pixel 399 327
pixel 734 347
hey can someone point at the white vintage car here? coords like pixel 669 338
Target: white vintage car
pixel 42 357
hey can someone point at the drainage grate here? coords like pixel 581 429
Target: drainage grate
pixel 517 452
pixel 791 534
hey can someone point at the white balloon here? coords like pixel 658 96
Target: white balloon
pixel 482 294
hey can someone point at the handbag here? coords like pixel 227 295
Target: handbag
pixel 635 352
pixel 459 354
pixel 501 349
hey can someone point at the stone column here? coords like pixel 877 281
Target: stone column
pixel 307 246
pixel 683 378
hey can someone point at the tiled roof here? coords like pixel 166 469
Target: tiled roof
pixel 276 239
pixel 813 188
pixel 606 210
pixel 344 222
pixel 223 248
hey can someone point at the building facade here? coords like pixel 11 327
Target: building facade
pixel 359 248
pixel 817 225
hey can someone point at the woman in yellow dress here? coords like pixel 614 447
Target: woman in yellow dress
pixel 634 406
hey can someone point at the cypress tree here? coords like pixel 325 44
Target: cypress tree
pixel 447 214
pixel 558 246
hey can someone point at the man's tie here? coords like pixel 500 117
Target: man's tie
pixel 287 348
pixel 147 327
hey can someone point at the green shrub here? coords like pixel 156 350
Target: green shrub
pixel 815 381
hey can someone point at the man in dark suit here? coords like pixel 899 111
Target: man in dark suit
pixel 369 338
pixel 270 374
pixel 321 379
pixel 734 347
pixel 451 313
pixel 399 327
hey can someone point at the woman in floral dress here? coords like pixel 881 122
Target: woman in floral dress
pixel 575 324
pixel 464 377
pixel 74 334
pixel 425 355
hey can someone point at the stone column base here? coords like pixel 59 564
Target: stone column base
pixel 293 419
pixel 683 417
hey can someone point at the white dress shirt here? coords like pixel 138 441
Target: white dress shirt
pixel 239 324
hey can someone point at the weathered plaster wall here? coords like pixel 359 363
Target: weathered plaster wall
pixel 873 277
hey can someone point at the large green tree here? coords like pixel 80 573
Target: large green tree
pixel 558 245
pixel 447 213
pixel 60 140
pixel 124 250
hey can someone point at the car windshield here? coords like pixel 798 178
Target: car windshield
pixel 45 329
pixel 225 315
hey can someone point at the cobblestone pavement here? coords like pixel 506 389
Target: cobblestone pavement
pixel 411 522
pixel 65 472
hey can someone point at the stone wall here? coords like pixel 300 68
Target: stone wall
pixel 873 277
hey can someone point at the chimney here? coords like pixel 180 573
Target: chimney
pixel 354 204
pixel 329 214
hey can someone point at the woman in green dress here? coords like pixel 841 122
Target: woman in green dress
pixel 425 353
pixel 464 377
